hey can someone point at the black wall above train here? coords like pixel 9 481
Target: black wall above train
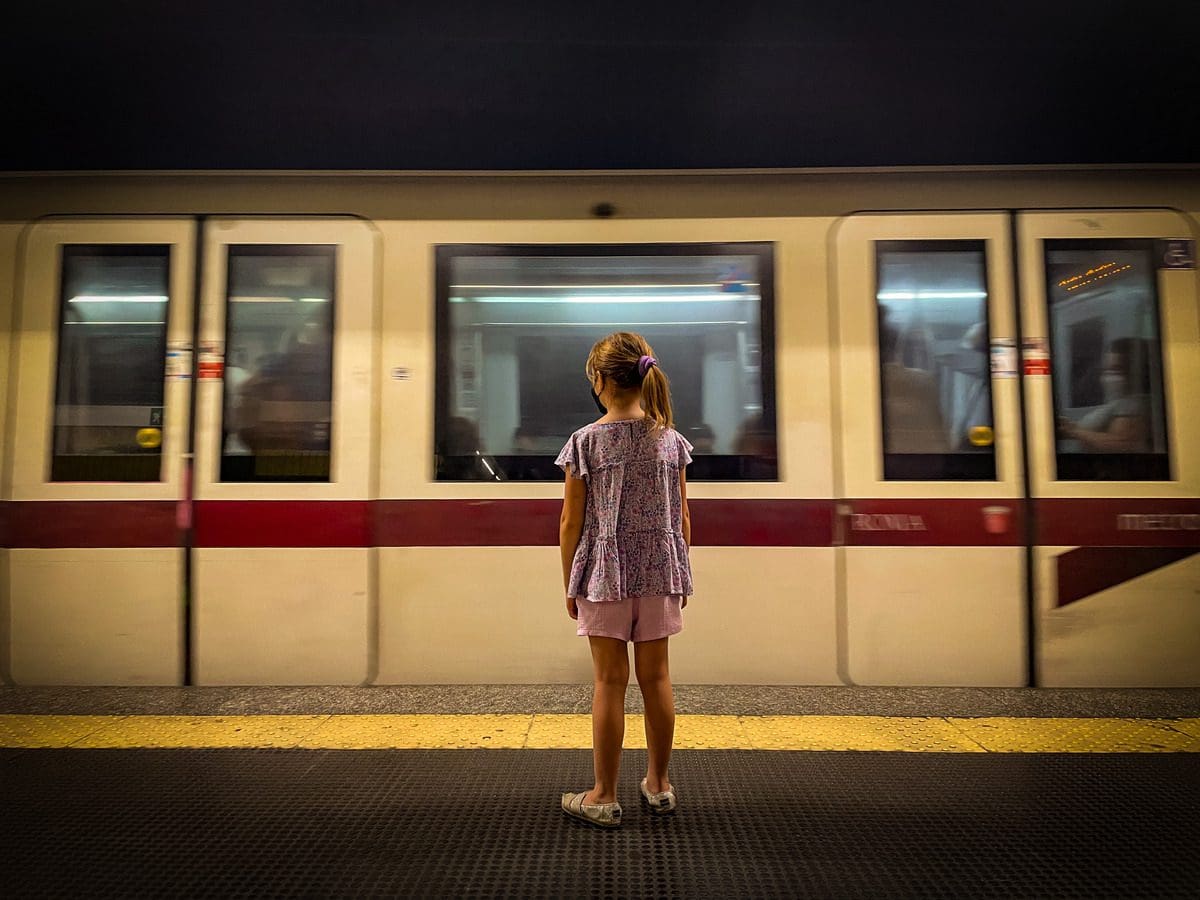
pixel 541 85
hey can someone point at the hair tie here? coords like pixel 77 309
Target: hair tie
pixel 644 364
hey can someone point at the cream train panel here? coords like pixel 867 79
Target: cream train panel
pixel 283 616
pixel 37 352
pixel 487 615
pixel 9 235
pixel 497 615
pixel 354 358
pixel 801 339
pixel 935 616
pixel 107 616
pixel 859 424
pixel 917 608
pixel 1144 632
pixel 1179 305
pixel 761 615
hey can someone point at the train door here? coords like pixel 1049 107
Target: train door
pixel 285 453
pixel 1112 364
pixel 101 388
pixel 932 586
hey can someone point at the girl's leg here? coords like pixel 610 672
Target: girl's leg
pixel 654 678
pixel 610 668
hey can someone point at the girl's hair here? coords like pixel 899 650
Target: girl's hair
pixel 620 359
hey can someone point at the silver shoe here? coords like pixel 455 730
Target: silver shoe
pixel 661 804
pixel 606 815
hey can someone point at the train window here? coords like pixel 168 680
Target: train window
pixel 935 381
pixel 109 387
pixel 278 388
pixel 1106 375
pixel 515 324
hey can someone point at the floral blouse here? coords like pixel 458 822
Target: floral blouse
pixel 632 541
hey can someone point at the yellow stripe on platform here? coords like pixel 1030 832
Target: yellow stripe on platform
pixel 692 732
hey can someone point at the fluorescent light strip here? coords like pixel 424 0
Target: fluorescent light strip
pixel 613 298
pixel 601 324
pixel 158 323
pixel 590 287
pixel 118 298
pixel 278 300
pixel 931 295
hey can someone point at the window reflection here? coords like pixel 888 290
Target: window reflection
pixel 111 363
pixel 516 324
pixel 935 380
pixel 1107 361
pixel 277 409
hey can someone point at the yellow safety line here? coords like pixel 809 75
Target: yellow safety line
pixel 536 731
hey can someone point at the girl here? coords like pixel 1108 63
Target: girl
pixel 624 536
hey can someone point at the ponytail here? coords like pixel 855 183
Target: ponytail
pixel 629 361
pixel 656 397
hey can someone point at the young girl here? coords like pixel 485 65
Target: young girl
pixel 624 536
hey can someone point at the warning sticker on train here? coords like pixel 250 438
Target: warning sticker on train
pixel 1036 351
pixel 1004 358
pixel 1176 253
pixel 212 360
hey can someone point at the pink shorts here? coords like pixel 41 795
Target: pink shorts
pixel 634 619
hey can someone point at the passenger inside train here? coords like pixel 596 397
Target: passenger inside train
pixel 1121 424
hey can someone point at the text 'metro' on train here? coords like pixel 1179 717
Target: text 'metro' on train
pixel 299 429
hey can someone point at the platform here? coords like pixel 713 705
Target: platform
pixel 866 792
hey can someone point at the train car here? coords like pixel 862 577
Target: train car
pixel 299 428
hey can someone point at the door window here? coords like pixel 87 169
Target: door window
pixel 1107 374
pixel 108 406
pixel 278 387
pixel 934 371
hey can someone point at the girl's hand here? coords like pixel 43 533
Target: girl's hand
pixel 683 605
pixel 572 608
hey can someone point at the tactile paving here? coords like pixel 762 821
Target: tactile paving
pixel 203 731
pixel 1006 735
pixel 50 731
pixel 1187 726
pixel 233 823
pixel 854 733
pixel 415 732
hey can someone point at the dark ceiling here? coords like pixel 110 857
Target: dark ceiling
pixel 538 85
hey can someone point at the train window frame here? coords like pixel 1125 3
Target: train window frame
pixel 238 469
pixel 1110 467
pixel 140 468
pixel 712 468
pixel 935 467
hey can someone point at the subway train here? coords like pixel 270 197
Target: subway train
pixel 299 428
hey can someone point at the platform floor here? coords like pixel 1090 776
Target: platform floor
pixel 253 792
pixel 415 823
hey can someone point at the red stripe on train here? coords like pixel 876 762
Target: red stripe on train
pixel 46 524
pixel 283 523
pixel 1103 522
pixel 501 523
pixel 936 523
pixel 751 522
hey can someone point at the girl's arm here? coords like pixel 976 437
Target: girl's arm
pixel 1125 434
pixel 570 523
pixel 687 516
